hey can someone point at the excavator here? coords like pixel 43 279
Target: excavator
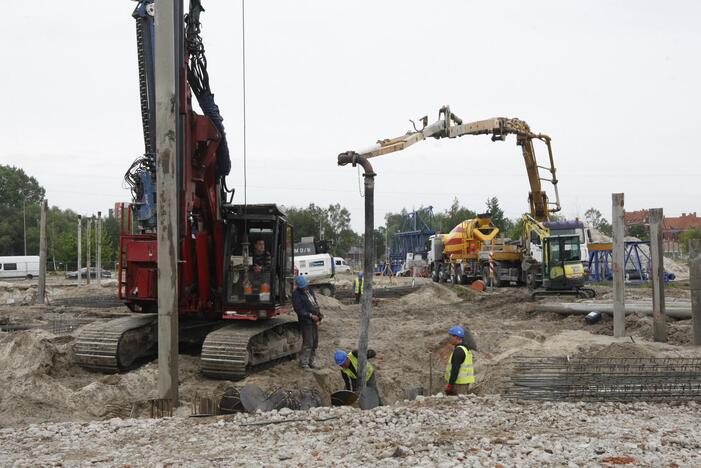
pixel 559 269
pixel 235 261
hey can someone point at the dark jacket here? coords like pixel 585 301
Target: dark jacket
pixel 262 259
pixel 352 384
pixel 304 308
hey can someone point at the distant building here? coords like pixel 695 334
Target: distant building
pixel 672 227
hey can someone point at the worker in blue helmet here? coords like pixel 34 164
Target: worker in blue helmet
pixel 349 364
pixel 309 317
pixel 460 370
pixel 358 287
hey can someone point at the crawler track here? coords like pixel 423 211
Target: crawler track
pixel 116 345
pixel 237 349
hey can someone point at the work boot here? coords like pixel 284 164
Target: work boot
pixel 304 358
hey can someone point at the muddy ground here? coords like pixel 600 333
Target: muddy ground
pixel 39 381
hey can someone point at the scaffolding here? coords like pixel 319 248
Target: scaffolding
pixel 637 263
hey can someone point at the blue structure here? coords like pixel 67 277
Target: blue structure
pixel 636 264
pixel 412 237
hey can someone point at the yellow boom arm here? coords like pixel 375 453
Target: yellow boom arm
pixel 449 125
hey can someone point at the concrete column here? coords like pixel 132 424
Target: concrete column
pixel 657 258
pixel 619 311
pixel 41 290
pixel 80 250
pixel 98 248
pixel 695 287
pixel 88 239
pixel 169 23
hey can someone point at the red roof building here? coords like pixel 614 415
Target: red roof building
pixel 672 227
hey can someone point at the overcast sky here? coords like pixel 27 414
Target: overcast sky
pixel 615 84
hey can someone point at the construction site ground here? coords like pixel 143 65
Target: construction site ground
pixel 53 412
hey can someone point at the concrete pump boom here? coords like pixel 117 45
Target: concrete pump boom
pixel 450 125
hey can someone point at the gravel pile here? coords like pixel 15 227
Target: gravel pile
pixel 435 431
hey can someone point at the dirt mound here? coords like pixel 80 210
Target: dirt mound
pixel 430 295
pixel 623 350
pixel 328 303
pixel 29 360
pixel 33 352
pixel 13 294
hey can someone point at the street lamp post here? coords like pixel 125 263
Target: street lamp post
pixel 24 223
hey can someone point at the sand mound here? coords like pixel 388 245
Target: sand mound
pixel 328 303
pixel 11 294
pixel 623 350
pixel 430 295
pixel 33 352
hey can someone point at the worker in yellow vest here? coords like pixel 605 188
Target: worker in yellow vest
pixel 358 287
pixel 460 371
pixel 349 371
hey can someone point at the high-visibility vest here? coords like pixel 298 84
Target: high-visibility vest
pixel 359 285
pixel 354 360
pixel 466 374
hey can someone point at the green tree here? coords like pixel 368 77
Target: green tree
pixel 332 223
pixel 596 219
pixel 686 236
pixel 20 196
pixel 504 224
pixel 639 231
pixel 456 214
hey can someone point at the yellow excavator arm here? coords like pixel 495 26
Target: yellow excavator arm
pixel 449 125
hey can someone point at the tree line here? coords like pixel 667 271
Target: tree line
pixel 21 194
pixel 20 199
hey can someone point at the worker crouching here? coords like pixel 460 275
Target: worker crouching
pixel 348 362
pixel 460 370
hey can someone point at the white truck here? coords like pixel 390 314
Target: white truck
pixel 319 269
pixel 19 267
pixel 341 265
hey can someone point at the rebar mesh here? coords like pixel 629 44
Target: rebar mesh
pixel 606 379
pixel 60 325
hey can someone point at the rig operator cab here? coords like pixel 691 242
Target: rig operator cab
pixel 259 271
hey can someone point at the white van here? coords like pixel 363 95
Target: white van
pixel 319 269
pixel 19 267
pixel 319 266
pixel 341 265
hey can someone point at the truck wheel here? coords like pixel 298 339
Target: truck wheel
pixel 30 276
pixel 326 291
pixel 434 276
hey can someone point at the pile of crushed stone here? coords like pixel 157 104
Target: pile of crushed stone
pixel 437 431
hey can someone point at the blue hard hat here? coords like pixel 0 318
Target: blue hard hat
pixel 340 357
pixel 457 330
pixel 302 281
pixel 360 274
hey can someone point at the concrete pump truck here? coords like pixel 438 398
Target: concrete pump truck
pixel 548 260
pixel 235 261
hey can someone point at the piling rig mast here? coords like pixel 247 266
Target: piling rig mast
pixel 232 298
